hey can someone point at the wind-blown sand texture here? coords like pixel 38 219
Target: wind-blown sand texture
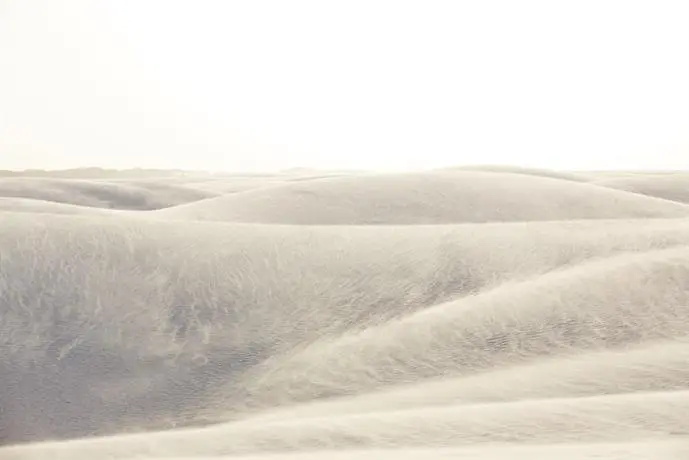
pixel 463 313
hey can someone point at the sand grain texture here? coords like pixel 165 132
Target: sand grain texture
pixel 466 313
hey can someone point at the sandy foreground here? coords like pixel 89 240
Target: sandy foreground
pixel 464 313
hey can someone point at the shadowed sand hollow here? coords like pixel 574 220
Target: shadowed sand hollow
pixel 468 313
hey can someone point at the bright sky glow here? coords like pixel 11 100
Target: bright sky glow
pixel 390 85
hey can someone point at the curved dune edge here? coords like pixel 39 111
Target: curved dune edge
pixel 14 204
pixel 658 366
pixel 653 449
pixel 522 170
pixel 615 418
pixel 101 194
pixel 649 450
pixel 503 315
pixel 546 261
pixel 426 198
pixel 673 187
pixel 592 305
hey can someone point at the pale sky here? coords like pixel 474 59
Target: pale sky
pixel 374 84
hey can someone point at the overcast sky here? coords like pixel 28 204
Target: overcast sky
pixel 390 85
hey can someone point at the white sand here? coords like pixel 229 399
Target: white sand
pixel 671 186
pixel 440 197
pixel 471 313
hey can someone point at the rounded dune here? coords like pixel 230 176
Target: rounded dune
pixel 50 207
pixel 613 419
pixel 495 314
pixel 597 305
pixel 650 367
pixel 673 187
pixel 426 198
pixel 522 170
pixel 100 193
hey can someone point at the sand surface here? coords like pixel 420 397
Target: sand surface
pixel 484 312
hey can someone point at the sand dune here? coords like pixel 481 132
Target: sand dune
pixel 426 198
pixel 615 418
pixel 670 186
pixel 582 308
pixel 545 318
pixel 50 207
pixel 100 193
pixel 658 366
pixel 522 170
pixel 650 450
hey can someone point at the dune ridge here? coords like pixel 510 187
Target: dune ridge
pixel 134 195
pixel 51 207
pixel 478 312
pixel 670 186
pixel 440 197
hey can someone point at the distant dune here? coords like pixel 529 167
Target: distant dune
pixel 100 194
pixel 522 170
pixel 674 187
pixel 426 198
pixel 50 207
pixel 472 313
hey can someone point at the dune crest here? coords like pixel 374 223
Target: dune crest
pixel 473 312
pixel 438 197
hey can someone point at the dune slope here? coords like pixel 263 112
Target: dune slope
pixel 495 315
pixel 674 187
pixel 439 197
pixel 139 195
